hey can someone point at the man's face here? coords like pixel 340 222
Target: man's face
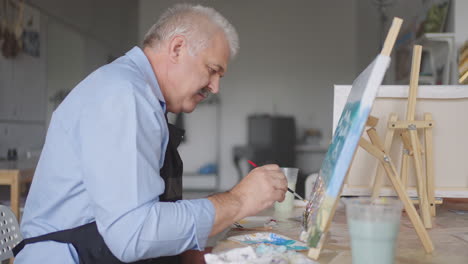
pixel 194 77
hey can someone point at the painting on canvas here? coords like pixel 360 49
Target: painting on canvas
pixel 327 188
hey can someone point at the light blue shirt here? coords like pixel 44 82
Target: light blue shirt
pixel 100 162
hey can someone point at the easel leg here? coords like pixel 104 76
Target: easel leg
pixel 429 164
pixel 409 207
pixel 387 145
pixel 405 138
pixel 404 170
pixel 396 183
pixel 420 182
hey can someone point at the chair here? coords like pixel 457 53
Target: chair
pixel 10 234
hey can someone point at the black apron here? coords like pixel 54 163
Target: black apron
pixel 86 239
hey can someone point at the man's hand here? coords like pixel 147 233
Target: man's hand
pixel 257 191
pixel 260 189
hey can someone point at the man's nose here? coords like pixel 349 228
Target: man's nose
pixel 214 85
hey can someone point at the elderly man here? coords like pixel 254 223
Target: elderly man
pixel 107 188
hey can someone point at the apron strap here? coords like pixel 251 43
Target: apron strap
pixel 62 236
pixel 172 170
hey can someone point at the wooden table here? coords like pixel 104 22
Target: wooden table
pixel 449 248
pixel 15 174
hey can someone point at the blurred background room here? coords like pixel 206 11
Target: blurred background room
pixel 276 100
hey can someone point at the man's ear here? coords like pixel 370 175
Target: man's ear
pixel 177 46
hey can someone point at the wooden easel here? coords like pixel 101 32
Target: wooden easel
pixel 376 148
pixel 412 147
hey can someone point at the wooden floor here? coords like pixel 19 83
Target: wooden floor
pixel 449 235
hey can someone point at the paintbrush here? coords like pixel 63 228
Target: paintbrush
pixel 289 190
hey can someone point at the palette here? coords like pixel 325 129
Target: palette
pixel 269 239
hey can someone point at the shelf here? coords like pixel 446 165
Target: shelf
pixel 440 48
pixel 439 36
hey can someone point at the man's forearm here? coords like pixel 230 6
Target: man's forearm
pixel 228 208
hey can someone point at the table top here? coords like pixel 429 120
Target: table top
pixel 449 235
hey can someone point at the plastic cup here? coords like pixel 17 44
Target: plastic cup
pixel 373 227
pixel 287 205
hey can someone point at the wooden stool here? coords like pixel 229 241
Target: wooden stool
pixel 16 178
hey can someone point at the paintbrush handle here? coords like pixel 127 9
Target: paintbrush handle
pixel 266 228
pixel 295 194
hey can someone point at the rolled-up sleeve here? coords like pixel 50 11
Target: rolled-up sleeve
pixel 122 148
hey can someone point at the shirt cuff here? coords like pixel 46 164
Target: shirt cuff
pixel 204 214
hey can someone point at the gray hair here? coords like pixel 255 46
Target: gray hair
pixel 197 23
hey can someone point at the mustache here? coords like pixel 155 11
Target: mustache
pixel 206 92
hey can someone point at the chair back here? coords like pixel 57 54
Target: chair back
pixel 10 234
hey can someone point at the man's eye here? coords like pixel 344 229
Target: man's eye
pixel 211 70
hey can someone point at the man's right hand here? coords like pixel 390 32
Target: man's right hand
pixel 260 189
pixel 257 191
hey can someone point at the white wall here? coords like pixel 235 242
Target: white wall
pixel 292 52
pixel 367 33
pixel 60 40
pixel 87 33
pixel 22 98
pixel 82 34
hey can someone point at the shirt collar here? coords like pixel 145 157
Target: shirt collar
pixel 142 62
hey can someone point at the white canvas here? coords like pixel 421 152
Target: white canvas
pixel 448 105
